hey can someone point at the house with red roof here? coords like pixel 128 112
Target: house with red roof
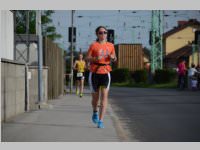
pixel 177 44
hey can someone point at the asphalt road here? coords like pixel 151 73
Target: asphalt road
pixel 158 115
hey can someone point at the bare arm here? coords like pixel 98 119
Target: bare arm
pixel 85 65
pixel 113 55
pixel 90 58
pixel 74 67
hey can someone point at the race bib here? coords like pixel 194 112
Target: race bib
pixel 80 74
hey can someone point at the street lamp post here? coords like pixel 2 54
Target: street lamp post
pixel 72 47
pixel 39 33
pixel 193 51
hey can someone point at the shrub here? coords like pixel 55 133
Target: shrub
pixel 164 75
pixel 140 76
pixel 120 75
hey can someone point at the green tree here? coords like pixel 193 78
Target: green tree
pixel 20 21
pixel 47 28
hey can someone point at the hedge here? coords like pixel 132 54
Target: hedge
pixel 140 76
pixel 120 75
pixel 164 75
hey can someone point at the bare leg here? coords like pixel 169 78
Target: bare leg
pixel 81 85
pixel 76 85
pixel 95 99
pixel 104 103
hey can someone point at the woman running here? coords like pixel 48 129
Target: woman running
pixel 80 66
pixel 99 55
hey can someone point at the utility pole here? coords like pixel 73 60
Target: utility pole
pixel 193 52
pixel 197 39
pixel 27 62
pixel 39 34
pixel 157 43
pixel 27 35
pixel 72 47
pixel 198 46
pixel 14 21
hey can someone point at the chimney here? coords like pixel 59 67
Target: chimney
pixel 192 20
pixel 182 22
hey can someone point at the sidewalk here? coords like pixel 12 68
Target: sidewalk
pixel 67 119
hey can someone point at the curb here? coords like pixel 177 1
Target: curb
pixel 118 127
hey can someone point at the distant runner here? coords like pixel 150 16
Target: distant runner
pixel 80 66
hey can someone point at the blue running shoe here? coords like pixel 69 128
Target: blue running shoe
pixel 100 124
pixel 95 117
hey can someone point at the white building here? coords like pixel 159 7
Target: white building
pixel 6 34
pixel 6 37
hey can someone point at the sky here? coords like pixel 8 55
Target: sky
pixel 130 26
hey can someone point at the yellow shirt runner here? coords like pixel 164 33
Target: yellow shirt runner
pixel 80 66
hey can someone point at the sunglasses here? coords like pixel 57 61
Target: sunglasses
pixel 104 32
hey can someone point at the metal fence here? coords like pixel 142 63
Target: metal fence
pixel 54 59
pixel 130 56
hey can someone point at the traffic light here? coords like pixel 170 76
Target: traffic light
pixel 70 34
pixel 150 38
pixel 110 36
pixel 197 37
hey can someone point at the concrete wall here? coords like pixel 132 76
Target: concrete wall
pixel 12 89
pixel 33 86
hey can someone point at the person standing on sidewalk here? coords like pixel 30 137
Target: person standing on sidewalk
pixel 191 76
pixel 80 66
pixel 198 77
pixel 100 54
pixel 181 68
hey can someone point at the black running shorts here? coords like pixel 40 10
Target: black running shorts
pixel 80 76
pixel 97 80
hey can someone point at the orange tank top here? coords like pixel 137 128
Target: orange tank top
pixel 101 66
